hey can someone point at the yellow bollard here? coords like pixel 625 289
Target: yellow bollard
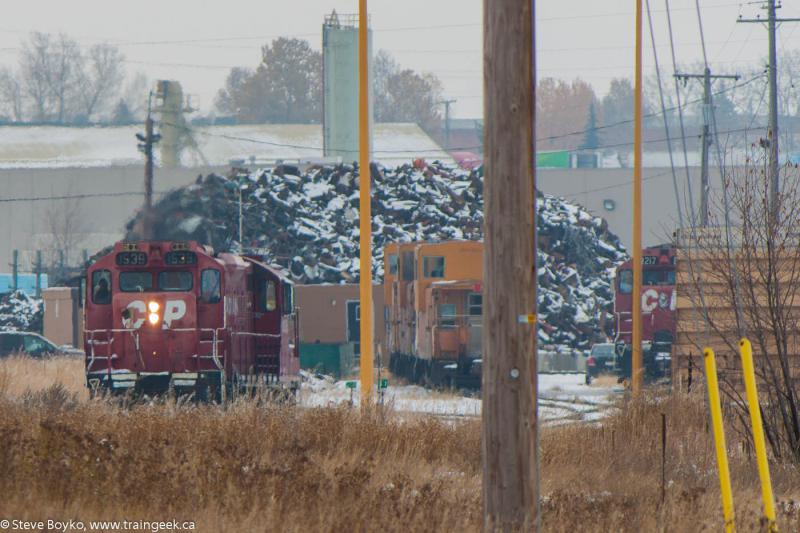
pixel 719 439
pixel 749 374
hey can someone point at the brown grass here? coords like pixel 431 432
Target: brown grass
pixel 251 468
pixel 19 375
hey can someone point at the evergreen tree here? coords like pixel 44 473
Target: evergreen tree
pixel 122 114
pixel 591 139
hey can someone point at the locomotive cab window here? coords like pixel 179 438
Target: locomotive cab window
pixel 175 281
pixel 210 291
pixel 626 281
pixel 101 287
pixel 393 264
pixel 433 267
pixel 267 297
pixel 135 281
pixel 658 277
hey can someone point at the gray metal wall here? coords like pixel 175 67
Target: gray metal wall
pixel 27 222
pixel 592 187
pixel 100 220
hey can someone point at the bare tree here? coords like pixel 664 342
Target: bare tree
pixel 101 78
pixel 64 76
pixel 403 95
pixel 135 95
pixel 34 71
pixel 65 222
pixel 51 70
pixel 745 282
pixel 11 93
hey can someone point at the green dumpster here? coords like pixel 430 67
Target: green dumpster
pixel 333 359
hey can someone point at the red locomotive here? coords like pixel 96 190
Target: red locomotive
pixel 658 309
pixel 174 316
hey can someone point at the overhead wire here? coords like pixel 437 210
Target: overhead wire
pixel 471 147
pixel 725 200
pixel 390 152
pixel 692 213
pixel 664 117
pixel 627 183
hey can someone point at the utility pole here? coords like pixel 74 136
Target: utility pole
pixel 15 270
pixel 146 143
pixel 510 436
pixel 39 273
pixel 637 367
pixel 772 134
pixel 706 76
pixel 447 104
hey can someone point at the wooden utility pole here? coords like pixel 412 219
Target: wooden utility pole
pixel 39 270
pixel 15 270
pixel 146 143
pixel 706 76
pixel 365 208
pixel 772 135
pixel 447 104
pixel 148 165
pixel 636 299
pixel 510 443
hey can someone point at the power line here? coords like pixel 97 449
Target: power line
pixel 465 148
pixel 664 116
pixel 157 42
pixel 74 196
pixel 424 150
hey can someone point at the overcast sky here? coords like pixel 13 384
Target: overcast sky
pixel 198 41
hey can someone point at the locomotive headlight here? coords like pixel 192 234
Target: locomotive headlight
pixel 153 318
pixel 153 307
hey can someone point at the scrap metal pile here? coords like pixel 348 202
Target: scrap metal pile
pixel 308 224
pixel 20 312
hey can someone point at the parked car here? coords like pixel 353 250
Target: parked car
pixel 32 344
pixel 601 360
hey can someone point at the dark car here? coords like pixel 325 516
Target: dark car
pixel 601 360
pixel 26 343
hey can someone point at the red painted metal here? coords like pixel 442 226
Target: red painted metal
pixel 657 296
pixel 243 331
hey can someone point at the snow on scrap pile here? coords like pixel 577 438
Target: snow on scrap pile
pixel 308 224
pixel 20 312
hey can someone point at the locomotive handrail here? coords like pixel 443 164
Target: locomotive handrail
pixel 252 334
pixel 91 332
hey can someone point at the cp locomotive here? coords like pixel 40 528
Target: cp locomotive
pixel 658 310
pixel 174 316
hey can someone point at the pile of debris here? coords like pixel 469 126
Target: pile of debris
pixel 308 224
pixel 20 312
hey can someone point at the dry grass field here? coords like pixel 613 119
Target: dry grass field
pixel 256 468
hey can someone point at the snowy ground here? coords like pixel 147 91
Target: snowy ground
pixel 563 398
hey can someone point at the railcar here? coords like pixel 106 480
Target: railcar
pixel 163 316
pixel 433 315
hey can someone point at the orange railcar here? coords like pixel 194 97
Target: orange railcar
pixel 433 311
